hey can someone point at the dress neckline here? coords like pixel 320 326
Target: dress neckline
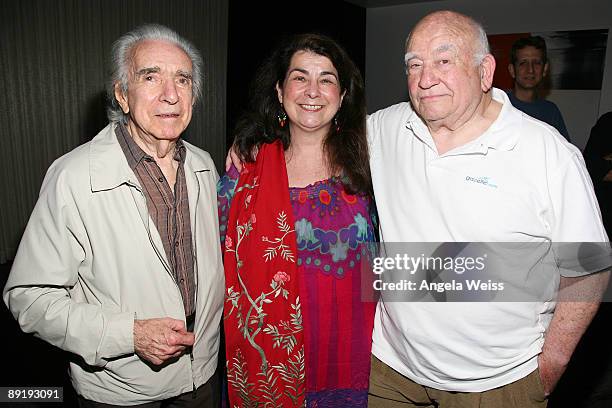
pixel 318 183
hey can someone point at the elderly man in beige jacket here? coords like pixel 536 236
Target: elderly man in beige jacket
pixel 120 263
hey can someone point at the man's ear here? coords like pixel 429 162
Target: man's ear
pixel 545 72
pixel 121 98
pixel 487 70
pixel 279 93
pixel 511 71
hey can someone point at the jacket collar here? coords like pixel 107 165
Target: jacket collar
pixel 108 167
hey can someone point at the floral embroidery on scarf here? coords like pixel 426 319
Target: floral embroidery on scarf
pixel 263 313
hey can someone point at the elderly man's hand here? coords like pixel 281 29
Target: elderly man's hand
pixel 158 340
pixel 233 158
pixel 551 369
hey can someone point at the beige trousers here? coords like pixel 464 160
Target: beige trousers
pixel 390 389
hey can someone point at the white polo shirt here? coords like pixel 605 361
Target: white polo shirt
pixel 520 181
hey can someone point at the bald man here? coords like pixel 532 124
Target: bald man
pixel 461 164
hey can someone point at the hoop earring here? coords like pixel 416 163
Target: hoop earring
pixel 282 117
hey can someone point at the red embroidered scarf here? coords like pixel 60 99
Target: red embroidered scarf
pixel 263 315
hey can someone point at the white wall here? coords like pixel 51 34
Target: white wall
pixel 387 28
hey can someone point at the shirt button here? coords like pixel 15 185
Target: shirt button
pixel 182 280
pixel 176 244
pixel 161 179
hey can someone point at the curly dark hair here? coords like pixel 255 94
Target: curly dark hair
pixel 346 150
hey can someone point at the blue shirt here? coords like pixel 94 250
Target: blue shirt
pixel 543 110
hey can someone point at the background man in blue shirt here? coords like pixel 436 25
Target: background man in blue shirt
pixel 528 67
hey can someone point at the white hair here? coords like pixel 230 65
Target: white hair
pixel 481 48
pixel 121 57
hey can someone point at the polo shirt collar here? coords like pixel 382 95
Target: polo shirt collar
pixel 501 135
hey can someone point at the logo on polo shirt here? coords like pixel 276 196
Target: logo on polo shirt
pixel 484 180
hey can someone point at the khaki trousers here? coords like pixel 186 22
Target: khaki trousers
pixel 390 389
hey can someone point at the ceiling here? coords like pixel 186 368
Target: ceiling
pixel 384 3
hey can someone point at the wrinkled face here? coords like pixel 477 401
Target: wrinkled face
pixel 310 92
pixel 159 96
pixel 529 69
pixel 444 82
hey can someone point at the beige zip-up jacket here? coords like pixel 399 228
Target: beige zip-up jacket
pixel 91 261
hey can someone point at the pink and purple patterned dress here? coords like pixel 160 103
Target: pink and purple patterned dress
pixel 333 230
